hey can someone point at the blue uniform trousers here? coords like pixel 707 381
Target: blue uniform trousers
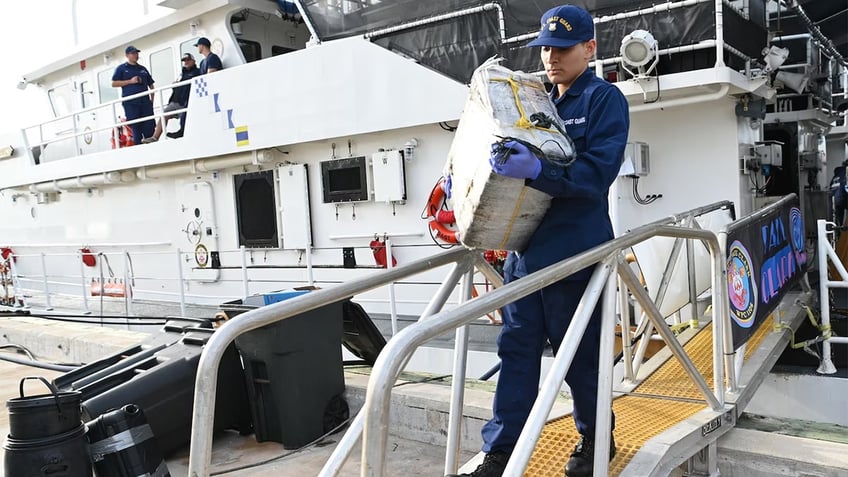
pixel 140 108
pixel 528 324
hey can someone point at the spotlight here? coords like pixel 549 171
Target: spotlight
pixel 774 56
pixel 22 84
pixel 638 49
pixel 795 81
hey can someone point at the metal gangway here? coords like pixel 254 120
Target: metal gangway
pixel 700 386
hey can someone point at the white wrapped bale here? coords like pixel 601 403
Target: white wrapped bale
pixel 494 211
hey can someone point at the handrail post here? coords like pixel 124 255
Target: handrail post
pixel 46 286
pixel 244 283
pixel 16 283
pixel 719 29
pixel 603 410
pixel 694 320
pixel 626 336
pixel 392 299
pixel 822 251
pixel 310 276
pixel 460 363
pixel 127 287
pixel 77 149
pixel 85 310
pixel 721 311
pixel 116 123
pixel 180 284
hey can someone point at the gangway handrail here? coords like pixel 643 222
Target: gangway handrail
pixel 207 369
pixel 390 362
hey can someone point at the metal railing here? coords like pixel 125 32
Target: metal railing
pixel 824 252
pixel 372 423
pixel 390 363
pixel 40 277
pixel 74 133
pixel 207 371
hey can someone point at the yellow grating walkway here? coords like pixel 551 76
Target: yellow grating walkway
pixel 639 418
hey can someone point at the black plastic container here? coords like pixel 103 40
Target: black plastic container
pixel 160 380
pixel 43 415
pixel 122 444
pixel 63 455
pixel 295 376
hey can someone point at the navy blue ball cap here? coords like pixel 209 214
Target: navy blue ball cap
pixel 131 49
pixel 203 41
pixel 564 27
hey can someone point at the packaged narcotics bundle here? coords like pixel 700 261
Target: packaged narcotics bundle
pixel 494 211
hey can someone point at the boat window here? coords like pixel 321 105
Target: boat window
pixel 277 50
pixel 87 94
pixel 256 209
pixel 61 100
pixel 104 84
pixel 251 50
pixel 188 47
pixel 163 66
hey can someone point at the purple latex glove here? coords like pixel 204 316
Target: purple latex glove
pixel 518 162
pixel 447 185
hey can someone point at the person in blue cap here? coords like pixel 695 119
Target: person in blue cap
pixel 134 78
pixel 596 117
pixel 210 62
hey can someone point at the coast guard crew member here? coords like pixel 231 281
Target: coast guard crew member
pixel 596 117
pixel 134 78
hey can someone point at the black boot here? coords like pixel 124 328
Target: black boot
pixel 175 135
pixel 582 459
pixel 493 465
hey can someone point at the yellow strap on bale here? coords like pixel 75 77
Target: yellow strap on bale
pixel 522 122
pixel 515 212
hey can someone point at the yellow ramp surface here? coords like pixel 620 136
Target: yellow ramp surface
pixel 660 402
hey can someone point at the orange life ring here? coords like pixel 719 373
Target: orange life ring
pixel 440 217
pixel 444 233
pixel 436 199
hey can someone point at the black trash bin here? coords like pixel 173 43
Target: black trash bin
pixel 295 376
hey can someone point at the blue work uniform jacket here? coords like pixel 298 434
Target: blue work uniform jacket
pixel 596 117
pixel 127 71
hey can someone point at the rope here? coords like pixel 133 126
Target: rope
pixel 826 330
pixel 515 212
pixel 523 122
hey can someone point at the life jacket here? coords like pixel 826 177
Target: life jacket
pixel 124 134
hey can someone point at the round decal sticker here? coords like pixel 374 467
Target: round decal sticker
pixel 201 256
pixel 87 137
pixel 741 287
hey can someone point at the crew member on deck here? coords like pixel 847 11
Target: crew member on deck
pixel 211 62
pixel 134 78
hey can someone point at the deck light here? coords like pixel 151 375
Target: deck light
pixel 774 56
pixel 639 49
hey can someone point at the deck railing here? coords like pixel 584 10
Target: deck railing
pixel 824 253
pixel 111 108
